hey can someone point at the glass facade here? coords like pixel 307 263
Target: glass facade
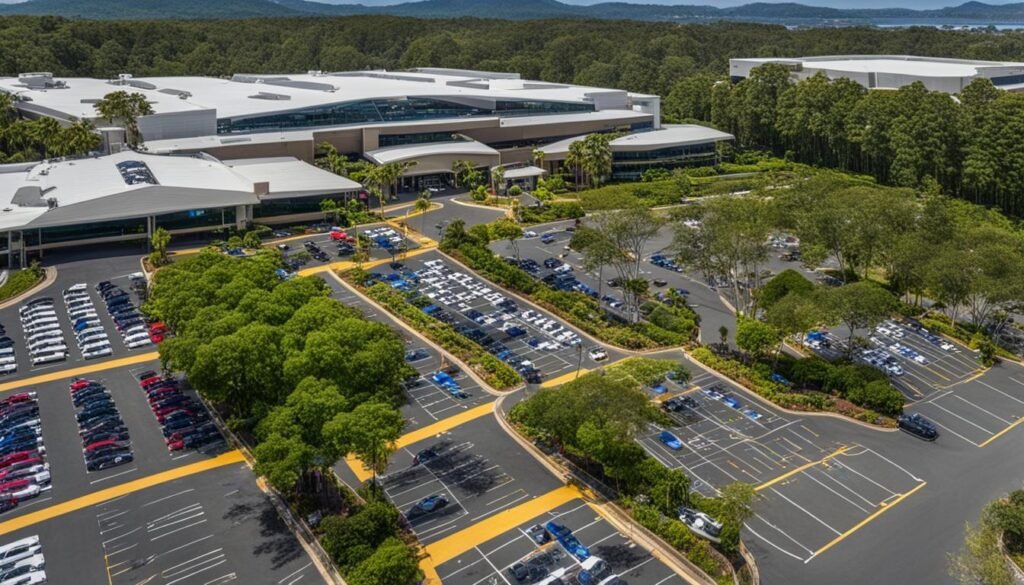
pixel 1007 80
pixel 383 110
pixel 277 207
pixel 196 218
pixel 95 229
pixel 629 166
pixel 387 140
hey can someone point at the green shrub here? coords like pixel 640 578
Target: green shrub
pixel 555 211
pixel 878 395
pixel 19 281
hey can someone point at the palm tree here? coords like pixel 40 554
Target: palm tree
pixel 574 160
pixel 385 177
pixel 597 157
pixel 328 207
pixel 46 133
pixel 465 173
pixel 81 137
pixel 7 111
pixel 125 108
pixel 538 157
pixel 422 206
pixel 498 180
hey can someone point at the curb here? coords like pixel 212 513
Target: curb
pixel 465 367
pixel 771 404
pixel 611 512
pixel 49 277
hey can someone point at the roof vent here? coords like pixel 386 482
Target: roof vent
pixel 315 72
pixel 51 203
pixel 266 95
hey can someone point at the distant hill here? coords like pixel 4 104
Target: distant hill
pixel 789 13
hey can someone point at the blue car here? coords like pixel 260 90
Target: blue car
pixel 659 389
pixel 515 332
pixel 671 441
pixel 570 543
pixel 731 401
pixel 751 414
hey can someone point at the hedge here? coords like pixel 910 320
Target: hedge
pixel 551 212
pixel 675 533
pixel 962 332
pixel 761 383
pixel 495 372
pixel 20 281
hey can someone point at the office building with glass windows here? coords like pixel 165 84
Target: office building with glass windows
pixel 894 71
pixel 126 196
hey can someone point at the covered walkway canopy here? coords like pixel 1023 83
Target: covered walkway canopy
pixel 435 157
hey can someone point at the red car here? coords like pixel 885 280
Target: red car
pixel 18 398
pixel 13 468
pixel 150 381
pixel 12 458
pixel 79 383
pixel 340 236
pixel 158 327
pixel 163 394
pixel 100 444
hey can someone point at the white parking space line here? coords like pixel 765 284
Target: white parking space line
pixel 968 421
pixel 841 496
pixel 986 411
pixel 991 387
pixel 804 510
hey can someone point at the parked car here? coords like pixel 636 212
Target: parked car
pixel 918 426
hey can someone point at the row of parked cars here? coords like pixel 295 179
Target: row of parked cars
pixel 129 321
pixel 184 421
pixel 105 440
pixel 24 473
pixel 43 334
pixel 90 335
pixel 22 562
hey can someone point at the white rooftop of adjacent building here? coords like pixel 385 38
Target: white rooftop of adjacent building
pixel 667 136
pixel 132 184
pixel 893 64
pixel 245 95
pixel 410 152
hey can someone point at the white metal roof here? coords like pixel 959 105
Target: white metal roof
pixel 667 136
pixel 234 97
pixel 392 154
pixel 893 64
pixel 290 177
pixel 524 172
pixel 78 191
pixel 626 116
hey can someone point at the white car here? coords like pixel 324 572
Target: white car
pixel 28 564
pixel 529 234
pixel 97 353
pixel 597 354
pixel 138 343
pixel 947 346
pixel 18 550
pixel 33 578
pixel 920 359
pixel 883 330
pixel 50 357
pixel 95 345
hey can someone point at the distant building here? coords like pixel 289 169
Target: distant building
pixel 894 71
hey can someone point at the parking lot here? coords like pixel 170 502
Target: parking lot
pixel 474 467
pixel 721 444
pixel 918 362
pixel 428 401
pixel 210 529
pixel 490 562
pixel 337 247
pixel 980 410
pixel 520 334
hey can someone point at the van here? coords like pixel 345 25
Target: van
pixel 49 357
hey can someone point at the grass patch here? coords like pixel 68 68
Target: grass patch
pixel 21 281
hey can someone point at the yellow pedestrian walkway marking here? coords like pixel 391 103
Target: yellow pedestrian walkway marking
pixel 142 483
pixel 426 432
pixel 455 544
pixel 80 371
pixel 558 381
pixel 803 467
pixel 348 264
pixel 865 521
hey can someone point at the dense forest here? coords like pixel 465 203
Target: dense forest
pixel 644 57
pixel 969 147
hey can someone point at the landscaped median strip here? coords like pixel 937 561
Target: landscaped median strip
pixel 348 264
pixel 426 432
pixel 80 371
pixel 454 545
pixel 56 510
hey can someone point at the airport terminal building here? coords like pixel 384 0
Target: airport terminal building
pixel 220 152
pixel 894 71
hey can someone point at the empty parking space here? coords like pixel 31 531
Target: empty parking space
pixel 492 561
pixel 473 467
pixel 723 437
pixel 980 410
pixel 805 513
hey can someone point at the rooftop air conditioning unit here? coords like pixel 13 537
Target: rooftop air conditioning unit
pixel 315 72
pixel 51 202
pixel 124 77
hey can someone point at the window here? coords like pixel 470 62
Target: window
pixel 294 205
pixel 387 140
pixel 1008 80
pixel 95 229
pixel 196 218
pixel 383 110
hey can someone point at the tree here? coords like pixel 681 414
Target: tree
pixel 393 563
pixel 498 180
pixel 757 338
pixel 596 162
pixel 369 432
pixel 861 305
pixel 422 206
pixel 506 229
pixel 981 561
pixel 682 182
pixel 597 250
pixel 538 157
pixel 787 282
pixel 467 175
pixel 736 504
pixel 251 240
pixel 352 540
pixel 627 232
pixel 329 207
pixel 723 336
pixel 159 242
pixel 282 460
pixel 124 108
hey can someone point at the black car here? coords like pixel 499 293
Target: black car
pixel 918 425
pixel 87 417
pixel 98 436
pixel 6 342
pixel 110 426
pixel 94 401
pixel 659 282
pixel 109 460
pixel 552 263
pixel 201 437
pixel 614 282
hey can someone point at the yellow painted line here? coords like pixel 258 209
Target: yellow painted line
pixel 455 544
pixel 229 458
pixel 81 371
pixel 936 372
pixel 979 373
pixel 430 576
pixel 563 378
pixel 422 433
pixel 803 467
pixel 865 521
pixel 348 264
pixel 1001 433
